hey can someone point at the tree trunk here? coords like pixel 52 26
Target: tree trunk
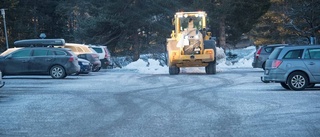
pixel 136 48
pixel 222 37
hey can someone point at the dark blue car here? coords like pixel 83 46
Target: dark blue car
pixel 85 66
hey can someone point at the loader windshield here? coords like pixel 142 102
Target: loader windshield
pixel 197 21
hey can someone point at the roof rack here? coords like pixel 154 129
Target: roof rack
pixel 39 42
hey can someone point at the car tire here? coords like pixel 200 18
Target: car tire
pixel 285 86
pixel 174 70
pixel 57 72
pixel 96 69
pixel 211 68
pixel 298 81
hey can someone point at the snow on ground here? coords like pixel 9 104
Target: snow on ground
pixel 243 59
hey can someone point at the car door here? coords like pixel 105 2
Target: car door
pixel 18 62
pixel 41 60
pixel 312 61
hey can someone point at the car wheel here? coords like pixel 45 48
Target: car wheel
pixel 57 72
pixel 174 70
pixel 96 69
pixel 284 85
pixel 298 81
pixel 211 68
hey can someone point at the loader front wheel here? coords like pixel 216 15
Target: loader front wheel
pixel 174 70
pixel 211 68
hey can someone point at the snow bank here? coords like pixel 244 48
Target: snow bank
pixel 152 66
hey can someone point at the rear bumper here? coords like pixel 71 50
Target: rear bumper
pixel 273 76
pixel 72 69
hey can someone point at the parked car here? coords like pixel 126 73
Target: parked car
pixel 56 62
pixel 104 55
pixel 85 66
pixel 294 67
pixel 84 52
pixel 1 81
pixel 262 54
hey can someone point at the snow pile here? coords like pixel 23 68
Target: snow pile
pixel 151 66
pixel 243 59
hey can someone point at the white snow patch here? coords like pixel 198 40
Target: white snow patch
pixel 151 66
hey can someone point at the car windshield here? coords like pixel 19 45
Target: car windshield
pixel 8 51
pixel 275 53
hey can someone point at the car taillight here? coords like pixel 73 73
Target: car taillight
pixel 71 59
pixel 106 55
pixel 276 63
pixel 258 52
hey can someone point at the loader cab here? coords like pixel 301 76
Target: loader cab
pixel 182 20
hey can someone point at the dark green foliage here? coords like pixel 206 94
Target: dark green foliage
pixel 131 27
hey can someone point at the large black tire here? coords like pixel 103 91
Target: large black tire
pixel 297 81
pixel 284 85
pixel 57 72
pixel 211 68
pixel 174 70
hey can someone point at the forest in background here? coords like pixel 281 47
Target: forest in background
pixel 133 27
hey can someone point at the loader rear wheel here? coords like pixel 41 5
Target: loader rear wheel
pixel 174 70
pixel 211 68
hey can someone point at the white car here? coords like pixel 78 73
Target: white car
pixel 104 55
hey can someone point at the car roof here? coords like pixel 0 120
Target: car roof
pixel 301 46
pixel 39 42
pixel 74 44
pixel 276 45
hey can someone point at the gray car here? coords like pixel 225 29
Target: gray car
pixel 294 67
pixel 262 54
pixel 38 57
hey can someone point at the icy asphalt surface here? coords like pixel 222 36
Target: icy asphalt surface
pixel 124 103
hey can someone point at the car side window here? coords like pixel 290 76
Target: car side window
pixel 40 52
pixel 50 53
pixel 293 54
pixel 60 53
pixel 98 50
pixel 269 49
pixel 314 53
pixel 22 53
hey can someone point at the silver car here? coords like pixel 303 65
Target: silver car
pixel 262 54
pixel 294 67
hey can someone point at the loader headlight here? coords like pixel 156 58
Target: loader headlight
pixel 196 37
pixel 186 37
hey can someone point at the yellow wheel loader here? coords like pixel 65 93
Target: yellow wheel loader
pixel 191 45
